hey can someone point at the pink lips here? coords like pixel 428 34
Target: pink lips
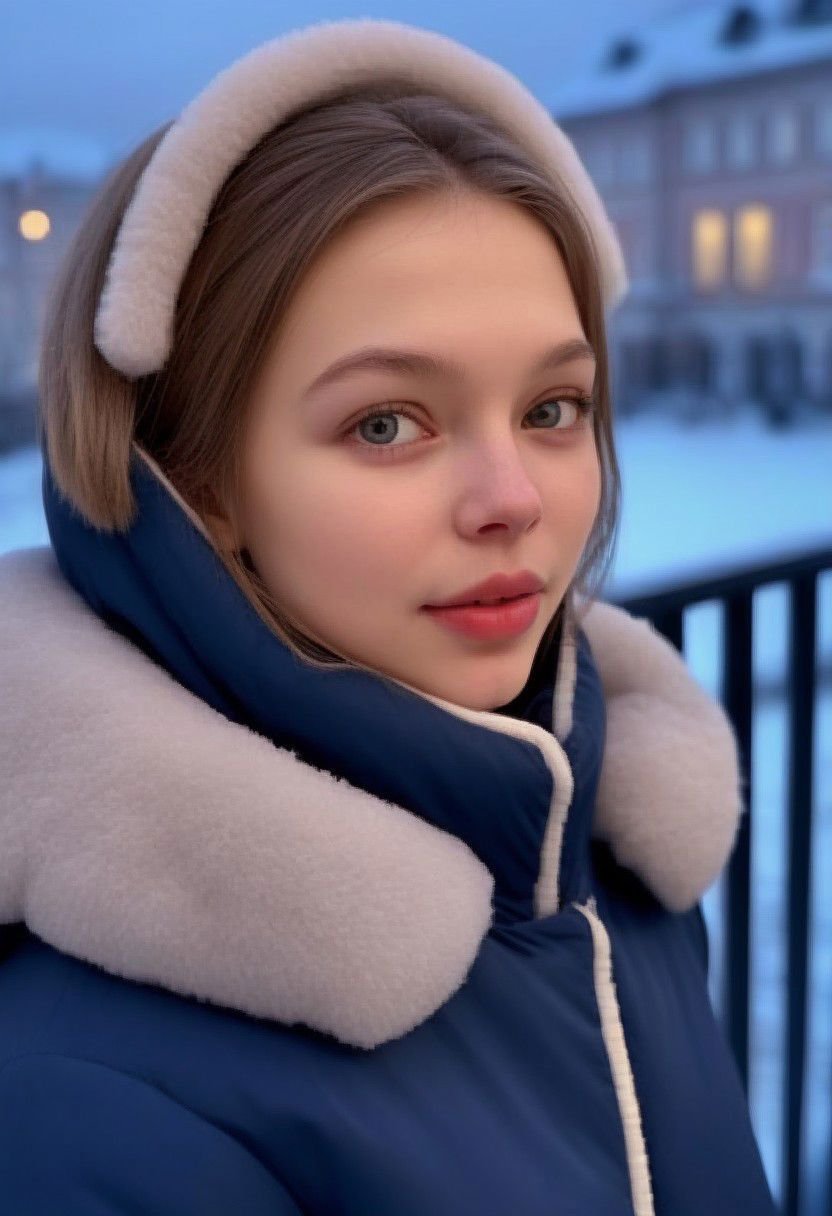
pixel 489 622
pixel 497 586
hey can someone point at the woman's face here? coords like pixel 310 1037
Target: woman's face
pixel 355 528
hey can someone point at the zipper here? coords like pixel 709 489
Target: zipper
pixel 615 1042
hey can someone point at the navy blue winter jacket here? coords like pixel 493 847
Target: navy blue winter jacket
pixel 278 940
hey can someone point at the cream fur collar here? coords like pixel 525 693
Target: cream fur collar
pixel 217 865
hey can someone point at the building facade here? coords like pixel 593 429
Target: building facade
pixel 709 137
pixel 47 180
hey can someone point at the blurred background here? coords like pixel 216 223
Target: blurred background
pixel 707 128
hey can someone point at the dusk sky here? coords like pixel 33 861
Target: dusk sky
pixel 116 69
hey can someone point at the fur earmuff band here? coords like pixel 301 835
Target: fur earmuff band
pixel 164 221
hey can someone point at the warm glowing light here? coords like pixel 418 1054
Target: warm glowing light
pixel 34 225
pixel 710 245
pixel 752 245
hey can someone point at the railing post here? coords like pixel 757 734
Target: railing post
pixel 670 623
pixel 737 699
pixel 802 656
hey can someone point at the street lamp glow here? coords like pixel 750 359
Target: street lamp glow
pixel 34 225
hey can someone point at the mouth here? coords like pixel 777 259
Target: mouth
pixel 490 620
pixel 502 599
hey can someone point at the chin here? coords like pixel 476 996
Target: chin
pixel 486 699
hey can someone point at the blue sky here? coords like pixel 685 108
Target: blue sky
pixel 116 69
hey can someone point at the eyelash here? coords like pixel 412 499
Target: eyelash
pixel 585 407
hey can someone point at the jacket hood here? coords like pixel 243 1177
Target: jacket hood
pixel 185 802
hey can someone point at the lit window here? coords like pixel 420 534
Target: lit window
pixel 752 245
pixel 710 248
pixel 699 149
pixel 782 135
pixel 739 144
pixel 33 225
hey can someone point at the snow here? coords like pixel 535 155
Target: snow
pixel 695 498
pixel 702 497
pixel 683 49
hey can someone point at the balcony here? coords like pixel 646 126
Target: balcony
pixel 802 689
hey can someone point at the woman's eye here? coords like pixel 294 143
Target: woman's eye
pixel 581 406
pixel 377 429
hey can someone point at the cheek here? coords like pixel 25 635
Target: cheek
pixel 372 535
pixel 575 494
pixel 346 532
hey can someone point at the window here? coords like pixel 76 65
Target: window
pixel 739 141
pixel 752 245
pixel 782 135
pixel 709 248
pixel 823 129
pixel 635 160
pixel 622 52
pixel 822 241
pixel 741 25
pixel 699 145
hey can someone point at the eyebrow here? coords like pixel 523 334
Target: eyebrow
pixel 421 363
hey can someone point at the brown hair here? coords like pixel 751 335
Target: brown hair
pixel 276 210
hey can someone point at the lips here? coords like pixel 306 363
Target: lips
pixel 497 587
pixel 483 622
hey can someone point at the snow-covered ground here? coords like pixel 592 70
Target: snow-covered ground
pixel 697 498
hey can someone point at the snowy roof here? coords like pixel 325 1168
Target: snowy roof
pixel 688 48
pixel 53 152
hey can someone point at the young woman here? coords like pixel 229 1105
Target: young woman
pixel 326 889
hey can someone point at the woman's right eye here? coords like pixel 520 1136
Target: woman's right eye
pixel 375 425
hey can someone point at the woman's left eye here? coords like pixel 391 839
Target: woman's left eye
pixel 376 425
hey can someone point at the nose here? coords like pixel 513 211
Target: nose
pixel 495 489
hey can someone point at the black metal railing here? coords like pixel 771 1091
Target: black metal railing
pixel 734 590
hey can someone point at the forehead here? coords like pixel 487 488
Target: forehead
pixel 433 246
pixel 433 272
